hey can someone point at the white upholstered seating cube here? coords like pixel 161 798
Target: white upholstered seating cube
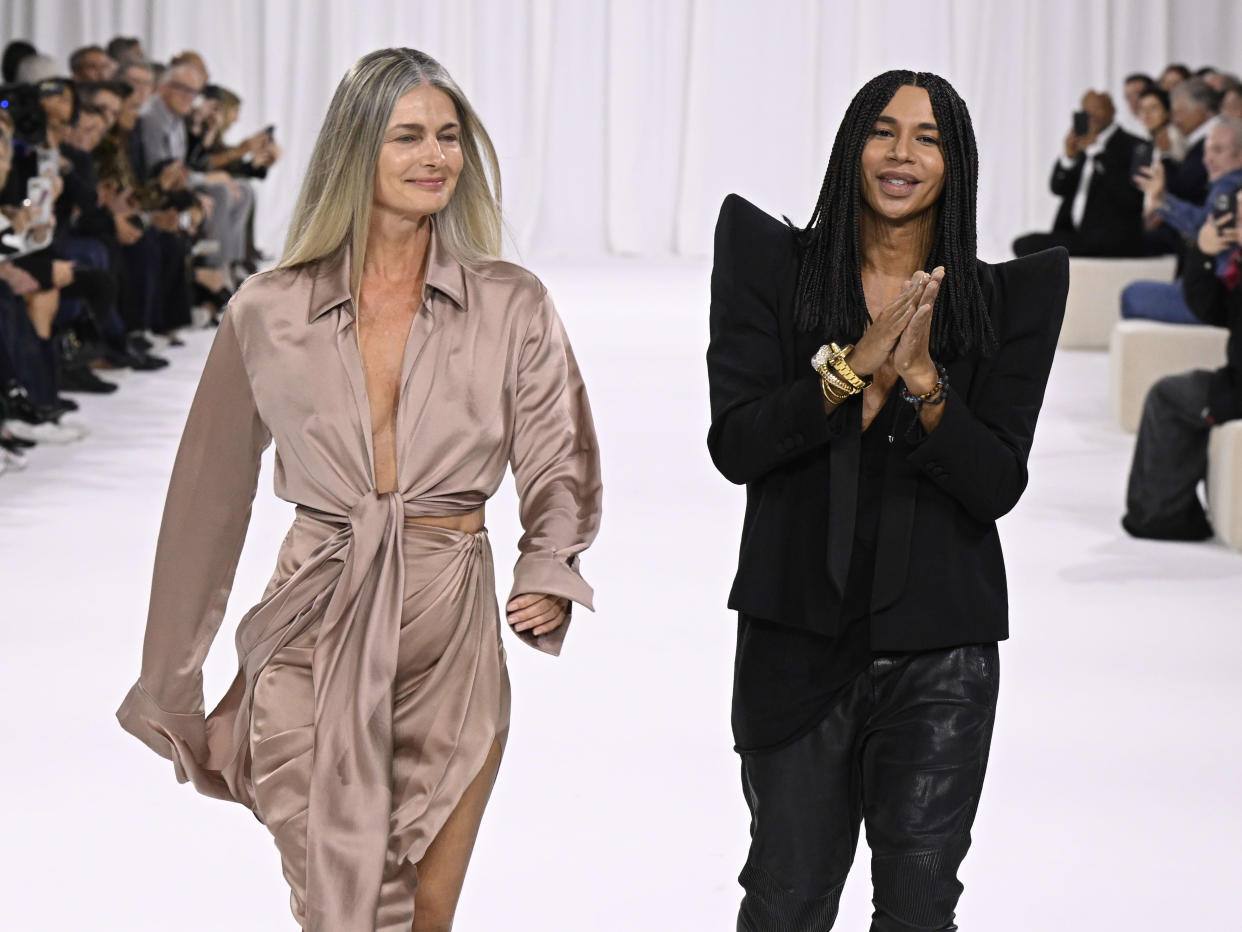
pixel 1224 482
pixel 1094 301
pixel 1142 352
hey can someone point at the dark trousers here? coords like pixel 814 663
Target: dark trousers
pixel 1170 458
pixel 903 752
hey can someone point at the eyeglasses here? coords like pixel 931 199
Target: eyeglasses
pixel 184 88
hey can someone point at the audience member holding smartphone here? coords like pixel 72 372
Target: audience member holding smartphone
pixel 1101 210
pixel 1222 158
pixel 1170 457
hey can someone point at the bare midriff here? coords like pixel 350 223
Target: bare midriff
pixel 467 523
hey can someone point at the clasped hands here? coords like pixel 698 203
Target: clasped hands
pixel 899 336
pixel 537 613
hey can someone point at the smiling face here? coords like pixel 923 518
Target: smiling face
pixel 421 156
pixel 1221 154
pixel 902 168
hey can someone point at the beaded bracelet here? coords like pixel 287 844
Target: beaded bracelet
pixel 934 397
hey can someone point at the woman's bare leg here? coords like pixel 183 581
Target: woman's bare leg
pixel 442 871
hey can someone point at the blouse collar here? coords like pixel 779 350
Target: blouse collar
pixel 331 277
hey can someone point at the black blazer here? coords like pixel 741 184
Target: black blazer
pixel 1113 213
pixel 940 576
pixel 1213 303
pixel 1188 179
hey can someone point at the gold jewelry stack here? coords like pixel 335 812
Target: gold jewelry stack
pixel 836 379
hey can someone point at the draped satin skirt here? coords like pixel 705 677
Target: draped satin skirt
pixel 450 703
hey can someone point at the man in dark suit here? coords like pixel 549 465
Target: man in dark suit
pixel 1193 108
pixel 1101 209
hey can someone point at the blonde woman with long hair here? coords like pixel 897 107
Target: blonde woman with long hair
pixel 398 365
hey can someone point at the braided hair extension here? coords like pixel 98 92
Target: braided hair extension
pixel 830 292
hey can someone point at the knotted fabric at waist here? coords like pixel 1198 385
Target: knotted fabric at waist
pixel 353 669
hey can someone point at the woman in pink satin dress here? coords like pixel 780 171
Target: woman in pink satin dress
pixel 398 365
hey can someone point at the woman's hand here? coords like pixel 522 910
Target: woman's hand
pixel 876 344
pixel 912 355
pixel 536 613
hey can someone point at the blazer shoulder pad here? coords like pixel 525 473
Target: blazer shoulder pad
pixel 1036 284
pixel 749 238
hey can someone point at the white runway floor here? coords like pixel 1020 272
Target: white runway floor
pixel 1112 799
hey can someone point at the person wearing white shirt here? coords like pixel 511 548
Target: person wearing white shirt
pixel 1101 208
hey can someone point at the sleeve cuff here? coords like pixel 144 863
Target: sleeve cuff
pixel 166 733
pixel 546 574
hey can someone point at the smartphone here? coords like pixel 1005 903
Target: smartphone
pixel 39 193
pixel 270 131
pixel 48 162
pixel 1223 205
pixel 1082 123
pixel 1140 157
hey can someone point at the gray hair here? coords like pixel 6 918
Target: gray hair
pixel 1199 92
pixel 334 208
pixel 36 68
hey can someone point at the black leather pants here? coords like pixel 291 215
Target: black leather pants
pixel 904 752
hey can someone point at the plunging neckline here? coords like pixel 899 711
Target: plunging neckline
pixel 402 377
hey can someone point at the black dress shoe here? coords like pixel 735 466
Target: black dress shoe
pixel 16 444
pixel 141 343
pixel 81 379
pixel 148 363
pixel 66 404
pixel 173 339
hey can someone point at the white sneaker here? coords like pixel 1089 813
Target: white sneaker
pixel 200 317
pixel 12 460
pixel 47 432
pixel 72 423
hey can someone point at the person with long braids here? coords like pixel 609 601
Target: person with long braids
pixel 876 388
pixel 399 365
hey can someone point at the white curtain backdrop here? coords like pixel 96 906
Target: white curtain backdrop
pixel 621 124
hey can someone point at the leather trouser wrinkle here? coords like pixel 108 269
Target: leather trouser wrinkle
pixel 902 752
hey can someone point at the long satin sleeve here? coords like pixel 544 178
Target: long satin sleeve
pixel 555 461
pixel 206 515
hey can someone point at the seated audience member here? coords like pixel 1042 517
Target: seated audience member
pixel 1231 103
pixel 1134 87
pixel 1165 301
pixel 1172 76
pixel 1166 139
pixel 1193 106
pixel 90 63
pixel 125 48
pixel 140 76
pixel 162 127
pixel 1101 209
pixel 1170 455
pixel 248 159
pixel 104 96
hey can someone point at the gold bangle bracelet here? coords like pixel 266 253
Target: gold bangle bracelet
pixel 831 392
pixel 831 381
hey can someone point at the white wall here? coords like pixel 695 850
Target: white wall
pixel 622 124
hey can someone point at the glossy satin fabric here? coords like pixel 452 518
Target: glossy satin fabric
pixel 450 702
pixel 488 377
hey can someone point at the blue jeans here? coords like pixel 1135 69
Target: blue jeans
pixel 1162 301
